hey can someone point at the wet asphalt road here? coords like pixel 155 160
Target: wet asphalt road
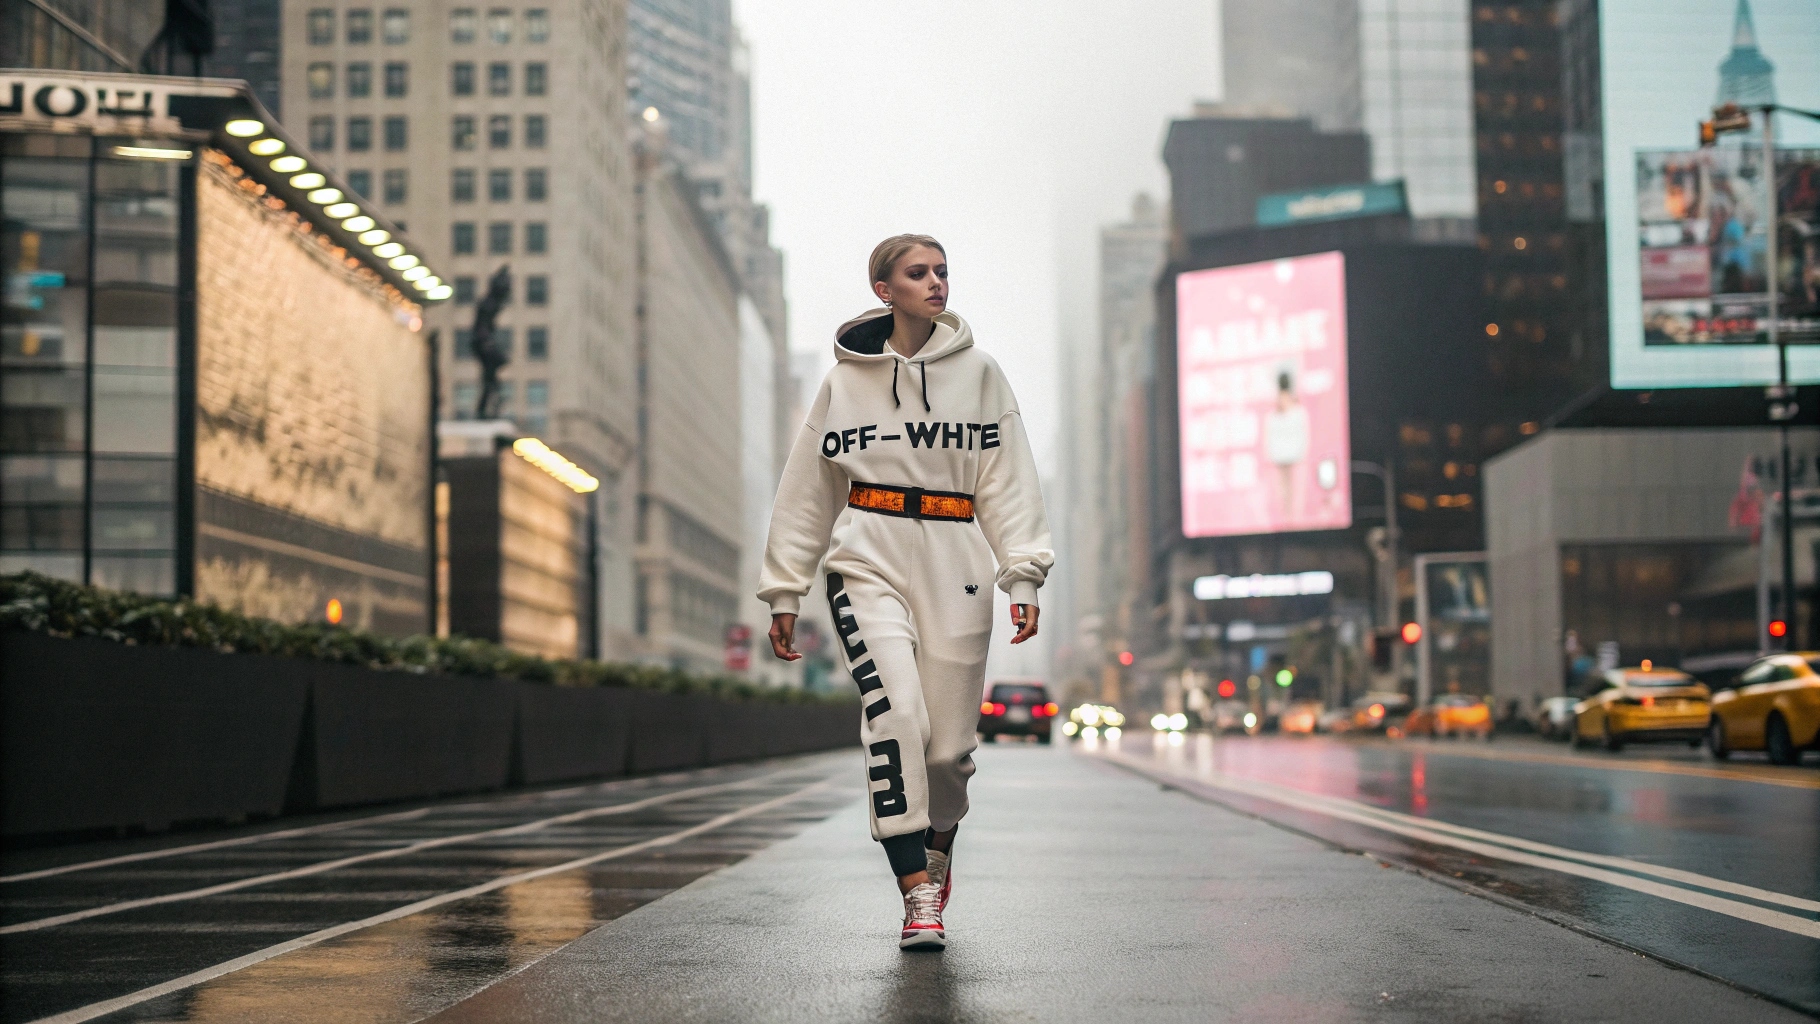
pixel 1736 846
pixel 1084 891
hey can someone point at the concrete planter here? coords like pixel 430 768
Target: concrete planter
pixel 571 733
pixel 376 736
pixel 95 734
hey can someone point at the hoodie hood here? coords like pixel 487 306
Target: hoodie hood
pixel 865 338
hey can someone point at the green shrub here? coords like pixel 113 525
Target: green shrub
pixel 40 604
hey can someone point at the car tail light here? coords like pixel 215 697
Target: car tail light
pixel 1036 711
pixel 1051 708
pixel 986 709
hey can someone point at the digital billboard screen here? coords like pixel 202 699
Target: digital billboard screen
pixel 1686 227
pixel 1261 361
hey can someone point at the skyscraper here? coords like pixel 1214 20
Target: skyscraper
pixel 1397 69
pixel 1746 77
pixel 495 136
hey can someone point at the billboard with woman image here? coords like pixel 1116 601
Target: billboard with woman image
pixel 1261 356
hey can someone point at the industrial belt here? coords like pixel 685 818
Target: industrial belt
pixel 912 502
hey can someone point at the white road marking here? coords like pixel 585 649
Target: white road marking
pixel 1508 848
pixel 397 851
pixel 331 826
pixel 101 1009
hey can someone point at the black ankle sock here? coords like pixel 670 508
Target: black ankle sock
pixel 906 853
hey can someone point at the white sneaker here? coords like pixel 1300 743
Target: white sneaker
pixel 940 874
pixel 923 918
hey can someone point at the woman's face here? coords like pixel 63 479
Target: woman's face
pixel 918 284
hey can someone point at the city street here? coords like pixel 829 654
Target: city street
pixel 1265 878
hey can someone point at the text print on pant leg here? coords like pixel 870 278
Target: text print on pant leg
pixel 887 802
pixel 865 674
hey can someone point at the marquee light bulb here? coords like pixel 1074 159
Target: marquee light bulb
pixel 244 128
pixel 361 223
pixel 324 196
pixel 289 164
pixel 310 180
pixel 405 262
pixel 374 237
pixel 340 210
pixel 266 147
pixel 388 250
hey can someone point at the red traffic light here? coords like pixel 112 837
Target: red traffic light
pixel 1126 658
pixel 1412 632
pixel 1778 628
pixel 1228 689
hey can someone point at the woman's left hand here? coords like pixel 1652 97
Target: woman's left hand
pixel 1023 616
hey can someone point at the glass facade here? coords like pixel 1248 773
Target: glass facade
pixel 89 362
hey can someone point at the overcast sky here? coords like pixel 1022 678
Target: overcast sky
pixel 1007 129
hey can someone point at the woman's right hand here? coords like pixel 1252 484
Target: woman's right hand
pixel 783 636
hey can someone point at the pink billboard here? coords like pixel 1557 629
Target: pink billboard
pixel 1261 361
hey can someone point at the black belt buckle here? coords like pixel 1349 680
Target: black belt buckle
pixel 913 502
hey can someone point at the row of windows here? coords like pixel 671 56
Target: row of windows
pixel 537 343
pixel 464 181
pixel 395 186
pixel 395 130
pixel 536 415
pixel 395 25
pixel 464 131
pixel 499 238
pixel 462 78
pixel 537 290
pixel 358 80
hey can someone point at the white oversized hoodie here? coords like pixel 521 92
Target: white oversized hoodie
pixel 943 420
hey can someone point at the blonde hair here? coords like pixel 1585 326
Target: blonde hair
pixel 888 252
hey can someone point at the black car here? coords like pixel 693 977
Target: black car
pixel 1017 709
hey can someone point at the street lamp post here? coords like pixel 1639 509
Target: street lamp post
pixel 1782 406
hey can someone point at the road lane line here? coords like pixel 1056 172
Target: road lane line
pixel 397 851
pixel 105 1007
pixel 1303 801
pixel 372 819
pixel 172 851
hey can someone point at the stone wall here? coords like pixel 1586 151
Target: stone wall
pixel 312 434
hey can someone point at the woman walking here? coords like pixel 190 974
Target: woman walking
pixel 912 474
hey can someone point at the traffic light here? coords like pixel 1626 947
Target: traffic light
pixel 1382 642
pixel 1728 118
pixel 1126 658
pixel 1412 633
pixel 1285 676
pixel 1228 689
pixel 1778 628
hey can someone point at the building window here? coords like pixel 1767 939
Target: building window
pixel 360 26
pixel 396 181
pixel 536 78
pixel 499 25
pixel 534 131
pixel 322 80
pixel 461 25
pixel 401 226
pixel 461 80
pixel 397 26
pixel 462 132
pixel 499 238
pixel 537 343
pixel 537 290
pixel 360 134
pixel 467 396
pixel 499 78
pixel 360 80
pixel 397 136
pixel 499 185
pixel 464 343
pixel 322 134
pixel 464 240
pixel 461 185
pixel 321 26
pixel 537 394
pixel 464 291
pixel 537 184
pixel 397 79
pixel 537 240
pixel 537 25
pixel 499 131
pixel 362 184
pixel 504 337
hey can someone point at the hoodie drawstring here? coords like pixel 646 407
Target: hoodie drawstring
pixel 894 402
pixel 925 365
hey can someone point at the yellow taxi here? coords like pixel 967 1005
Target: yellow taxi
pixel 1458 714
pixel 1775 709
pixel 1642 705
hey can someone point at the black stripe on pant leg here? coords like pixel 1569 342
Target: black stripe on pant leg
pixel 877 708
pixel 906 853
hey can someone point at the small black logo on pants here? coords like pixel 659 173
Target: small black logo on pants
pixel 972 589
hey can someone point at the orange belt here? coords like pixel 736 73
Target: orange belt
pixel 912 502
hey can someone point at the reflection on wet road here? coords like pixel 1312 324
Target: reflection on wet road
pixel 387 917
pixel 1714 867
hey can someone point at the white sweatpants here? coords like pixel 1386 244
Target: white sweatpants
pixel 912 602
